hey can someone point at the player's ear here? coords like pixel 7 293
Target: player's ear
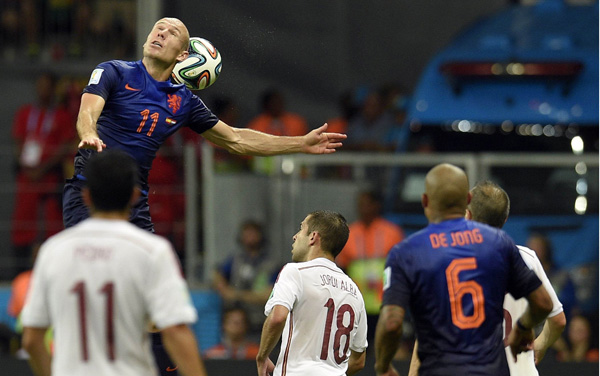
pixel 469 197
pixel 182 56
pixel 424 200
pixel 134 196
pixel 87 198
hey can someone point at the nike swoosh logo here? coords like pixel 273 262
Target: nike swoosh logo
pixel 169 369
pixel 131 88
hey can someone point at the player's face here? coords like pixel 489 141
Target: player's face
pixel 301 244
pixel 166 41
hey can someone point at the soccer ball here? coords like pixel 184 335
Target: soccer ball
pixel 201 68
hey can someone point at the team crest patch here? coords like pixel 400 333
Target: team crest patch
pixel 95 77
pixel 174 102
pixel 171 121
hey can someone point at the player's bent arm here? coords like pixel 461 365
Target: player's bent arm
pixel 387 336
pixel 271 332
pixel 415 363
pixel 356 362
pixel 552 331
pixel 522 336
pixel 540 306
pixel 245 141
pixel 33 343
pixel 180 343
pixel 89 112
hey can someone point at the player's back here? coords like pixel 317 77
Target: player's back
pixel 457 272
pixel 327 320
pixel 101 279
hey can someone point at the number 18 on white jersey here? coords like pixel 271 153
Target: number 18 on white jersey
pixel 327 318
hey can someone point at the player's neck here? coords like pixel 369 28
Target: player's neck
pixel 111 215
pixel 314 254
pixel 437 217
pixel 157 69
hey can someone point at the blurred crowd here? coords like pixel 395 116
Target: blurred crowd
pixel 52 30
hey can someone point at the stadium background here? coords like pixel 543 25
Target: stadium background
pixel 311 50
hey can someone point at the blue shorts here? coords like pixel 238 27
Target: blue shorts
pixel 75 211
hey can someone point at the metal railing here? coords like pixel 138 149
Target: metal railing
pixel 294 188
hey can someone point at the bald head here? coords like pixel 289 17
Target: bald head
pixel 446 192
pixel 489 204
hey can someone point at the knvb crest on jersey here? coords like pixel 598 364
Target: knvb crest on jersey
pixel 174 102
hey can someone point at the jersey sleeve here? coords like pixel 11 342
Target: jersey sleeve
pixel 36 312
pixel 201 118
pixel 287 289
pixel 167 294
pixel 359 341
pixel 537 267
pixel 102 80
pixel 522 280
pixel 396 285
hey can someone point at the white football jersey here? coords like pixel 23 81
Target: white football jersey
pixel 513 309
pixel 327 319
pixel 98 284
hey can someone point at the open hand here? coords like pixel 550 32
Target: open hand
pixel 318 141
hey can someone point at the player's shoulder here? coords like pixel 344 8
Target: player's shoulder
pixel 120 64
pixel 118 67
pixel 490 233
pixel 317 264
pixel 122 231
pixel 530 257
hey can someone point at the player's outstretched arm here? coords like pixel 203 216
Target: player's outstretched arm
pixel 552 331
pixel 39 358
pixel 272 329
pixel 387 337
pixel 244 141
pixel 89 112
pixel 182 347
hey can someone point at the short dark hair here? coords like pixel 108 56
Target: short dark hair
pixel 111 177
pixel 333 229
pixel 489 204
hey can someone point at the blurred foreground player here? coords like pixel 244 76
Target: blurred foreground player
pixel 453 276
pixel 99 283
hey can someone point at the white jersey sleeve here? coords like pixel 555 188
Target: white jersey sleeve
pixel 286 291
pixel 359 341
pixel 534 264
pixel 167 294
pixel 36 312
